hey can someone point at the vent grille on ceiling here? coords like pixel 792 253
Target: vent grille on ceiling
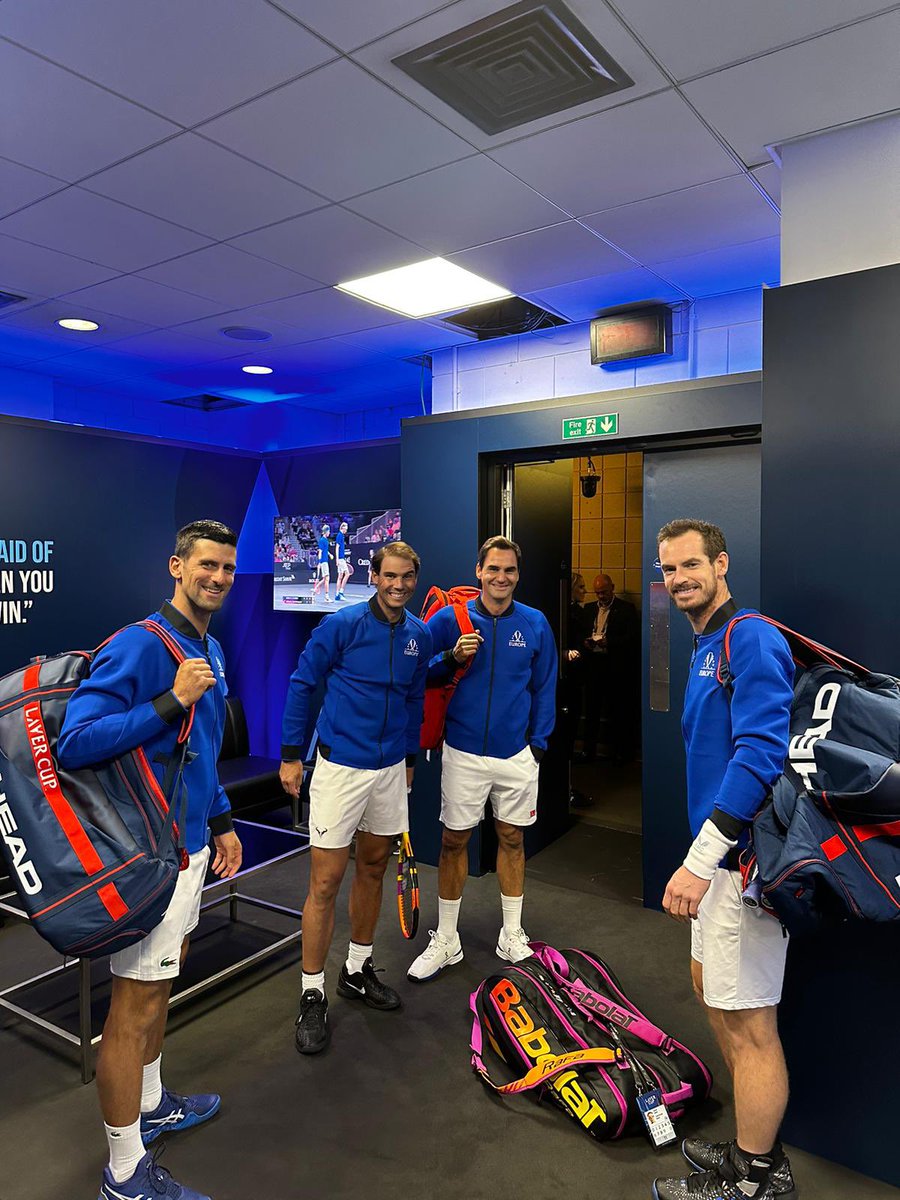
pixel 519 64
pixel 207 403
pixel 9 298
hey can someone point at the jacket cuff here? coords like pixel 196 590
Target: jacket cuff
pixel 221 824
pixel 169 707
pixel 411 759
pixel 291 753
pixel 731 827
pixel 537 752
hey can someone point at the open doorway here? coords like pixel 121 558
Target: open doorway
pixel 604 632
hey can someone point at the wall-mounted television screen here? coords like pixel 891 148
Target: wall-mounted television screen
pixel 322 559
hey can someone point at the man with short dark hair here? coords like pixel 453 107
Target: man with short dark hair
pixel 498 722
pixel 133 697
pixel 373 660
pixel 736 742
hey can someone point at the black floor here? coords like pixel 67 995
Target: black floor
pixel 393 1104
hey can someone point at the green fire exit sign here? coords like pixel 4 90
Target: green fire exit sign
pixel 590 427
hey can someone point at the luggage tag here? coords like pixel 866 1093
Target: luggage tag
pixel 656 1118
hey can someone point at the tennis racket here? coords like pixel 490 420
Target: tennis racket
pixel 407 888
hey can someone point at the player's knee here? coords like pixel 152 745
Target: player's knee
pixel 511 837
pixel 455 841
pixel 750 1029
pixel 324 887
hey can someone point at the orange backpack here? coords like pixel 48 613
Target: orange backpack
pixel 437 699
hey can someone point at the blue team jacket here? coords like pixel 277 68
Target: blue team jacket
pixel 507 698
pixel 374 674
pixel 736 747
pixel 127 701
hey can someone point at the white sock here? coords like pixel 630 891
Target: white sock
pixel 151 1088
pixel 356 956
pixel 512 912
pixel 125 1149
pixel 313 982
pixel 448 918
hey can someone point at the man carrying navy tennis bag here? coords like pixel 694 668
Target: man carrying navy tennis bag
pixel 149 706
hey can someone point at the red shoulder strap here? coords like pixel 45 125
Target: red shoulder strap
pixel 804 650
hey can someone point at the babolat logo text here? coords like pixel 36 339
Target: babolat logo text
pixel 607 1009
pixel 533 1040
pixel 801 749
pixel 518 639
pixel 412 648
pixel 18 851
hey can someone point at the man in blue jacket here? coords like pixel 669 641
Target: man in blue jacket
pixel 736 742
pixel 498 722
pixel 373 660
pixel 133 697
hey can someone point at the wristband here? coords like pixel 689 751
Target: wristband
pixel 707 850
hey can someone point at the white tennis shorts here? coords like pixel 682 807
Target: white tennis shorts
pixel 322 570
pixel 741 949
pixel 469 780
pixel 158 955
pixel 344 799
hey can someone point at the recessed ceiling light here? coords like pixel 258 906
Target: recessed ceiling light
pixel 78 324
pixel 257 370
pixel 425 289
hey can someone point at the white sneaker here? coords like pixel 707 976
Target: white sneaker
pixel 439 953
pixel 513 945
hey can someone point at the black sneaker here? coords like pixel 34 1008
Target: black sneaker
pixel 312 1033
pixel 707 1185
pixel 366 986
pixel 709 1156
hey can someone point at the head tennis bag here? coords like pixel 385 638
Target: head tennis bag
pixel 562 1024
pixel 826 846
pixel 93 852
pixel 437 699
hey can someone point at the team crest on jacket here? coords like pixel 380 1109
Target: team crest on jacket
pixel 708 670
pixel 518 639
pixel 412 648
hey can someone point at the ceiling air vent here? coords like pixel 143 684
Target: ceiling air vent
pixel 7 299
pixel 519 64
pixel 207 403
pixel 501 318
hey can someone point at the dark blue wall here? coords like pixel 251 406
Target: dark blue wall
pixel 440 510
pixel 831 432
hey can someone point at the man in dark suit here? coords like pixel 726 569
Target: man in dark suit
pixel 612 659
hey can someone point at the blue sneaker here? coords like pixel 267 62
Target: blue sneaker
pixel 150 1181
pixel 175 1113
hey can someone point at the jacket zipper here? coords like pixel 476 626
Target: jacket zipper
pixel 387 696
pixel 487 717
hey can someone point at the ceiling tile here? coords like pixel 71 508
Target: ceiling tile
pixel 693 36
pixel 143 300
pixel 728 269
pixel 363 135
pixel 332 245
pixel 587 297
pixel 185 60
pixel 327 313
pixel 438 209
pixel 828 81
pixel 351 25
pixel 210 330
pixel 598 18
pixel 629 153
pixel 40 321
pixel 769 178
pixel 230 277
pixel 408 338
pixel 723 213
pixel 20 186
pixel 34 269
pixel 542 259
pixel 68 127
pixel 167 346
pixel 78 222
pixel 218 193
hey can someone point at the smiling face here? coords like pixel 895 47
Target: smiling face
pixel 697 585
pixel 202 580
pixel 394 583
pixel 498 576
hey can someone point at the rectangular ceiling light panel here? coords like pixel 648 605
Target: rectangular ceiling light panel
pixel 425 289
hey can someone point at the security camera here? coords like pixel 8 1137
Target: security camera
pixel 589 481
